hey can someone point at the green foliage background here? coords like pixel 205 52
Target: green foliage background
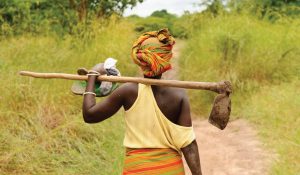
pixel 42 130
pixel 254 44
pixel 161 19
pixel 262 60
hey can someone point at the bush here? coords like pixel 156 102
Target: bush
pixel 159 20
pixel 275 111
pixel 242 49
pixel 42 130
pixel 262 60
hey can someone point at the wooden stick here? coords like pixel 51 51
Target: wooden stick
pixel 219 87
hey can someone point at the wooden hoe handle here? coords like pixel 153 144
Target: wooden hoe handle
pixel 218 87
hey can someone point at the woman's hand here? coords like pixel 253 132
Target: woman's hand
pixel 89 100
pixel 99 68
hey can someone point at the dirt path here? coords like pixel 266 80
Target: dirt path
pixel 233 151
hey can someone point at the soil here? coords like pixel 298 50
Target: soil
pixel 236 150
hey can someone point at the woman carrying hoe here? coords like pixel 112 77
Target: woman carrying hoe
pixel 158 121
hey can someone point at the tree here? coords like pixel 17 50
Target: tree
pixel 269 9
pixel 60 15
pixel 102 8
pixel 109 7
pixel 215 7
pixel 162 14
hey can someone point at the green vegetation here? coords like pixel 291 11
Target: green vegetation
pixel 275 111
pixel 158 20
pixel 42 130
pixel 61 17
pixel 262 60
pixel 243 49
pixel 268 9
pixel 255 44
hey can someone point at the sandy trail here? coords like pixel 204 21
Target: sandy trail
pixel 233 151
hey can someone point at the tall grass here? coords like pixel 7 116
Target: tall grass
pixel 41 126
pixel 275 111
pixel 242 49
pixel 262 60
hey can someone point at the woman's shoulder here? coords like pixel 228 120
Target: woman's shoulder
pixel 128 88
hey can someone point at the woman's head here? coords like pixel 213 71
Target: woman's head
pixel 152 52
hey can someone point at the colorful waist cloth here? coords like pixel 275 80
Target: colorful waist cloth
pixel 153 161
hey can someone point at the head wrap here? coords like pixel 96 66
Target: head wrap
pixel 153 57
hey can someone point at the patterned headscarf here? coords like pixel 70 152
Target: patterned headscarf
pixel 153 58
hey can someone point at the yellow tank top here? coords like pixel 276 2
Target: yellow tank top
pixel 148 127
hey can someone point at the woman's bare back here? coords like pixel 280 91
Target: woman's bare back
pixel 169 100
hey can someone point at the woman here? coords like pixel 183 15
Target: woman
pixel 158 121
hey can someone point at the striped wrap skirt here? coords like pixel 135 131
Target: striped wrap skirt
pixel 153 161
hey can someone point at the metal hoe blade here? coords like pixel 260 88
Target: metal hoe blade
pixel 221 109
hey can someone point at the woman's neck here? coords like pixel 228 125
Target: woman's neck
pixel 155 77
pixel 154 87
